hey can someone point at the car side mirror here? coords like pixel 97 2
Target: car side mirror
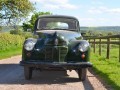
pixel 83 33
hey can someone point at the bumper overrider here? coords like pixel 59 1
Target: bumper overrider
pixel 56 65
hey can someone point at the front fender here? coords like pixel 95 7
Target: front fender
pixel 75 54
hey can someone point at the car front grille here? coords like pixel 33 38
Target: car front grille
pixel 56 54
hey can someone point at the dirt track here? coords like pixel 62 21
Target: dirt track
pixel 12 78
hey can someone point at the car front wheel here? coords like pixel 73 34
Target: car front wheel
pixel 27 72
pixel 82 74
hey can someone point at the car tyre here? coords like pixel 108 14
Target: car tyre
pixel 82 74
pixel 27 72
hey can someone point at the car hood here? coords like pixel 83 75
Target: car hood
pixel 67 35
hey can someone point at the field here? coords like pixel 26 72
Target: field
pixel 108 69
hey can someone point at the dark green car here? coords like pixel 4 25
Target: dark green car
pixel 58 46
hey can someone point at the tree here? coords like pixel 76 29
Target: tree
pixel 30 24
pixel 110 33
pixel 13 10
pixel 27 26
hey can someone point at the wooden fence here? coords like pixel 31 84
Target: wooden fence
pixel 113 39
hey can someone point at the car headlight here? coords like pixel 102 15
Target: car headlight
pixel 83 47
pixel 29 45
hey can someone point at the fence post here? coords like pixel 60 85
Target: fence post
pixel 108 48
pixel 100 47
pixel 94 46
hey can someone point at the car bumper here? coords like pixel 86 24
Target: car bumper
pixel 64 65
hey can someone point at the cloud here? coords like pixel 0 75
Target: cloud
pixel 97 2
pixel 55 4
pixel 86 19
pixel 62 6
pixel 49 1
pixel 95 11
pixel 102 9
pixel 114 10
pixel 34 1
pixel 91 21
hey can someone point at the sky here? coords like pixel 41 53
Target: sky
pixel 88 12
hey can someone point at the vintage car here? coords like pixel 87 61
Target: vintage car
pixel 57 45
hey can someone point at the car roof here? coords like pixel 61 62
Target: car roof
pixel 57 16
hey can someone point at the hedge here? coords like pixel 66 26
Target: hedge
pixel 21 33
pixel 10 41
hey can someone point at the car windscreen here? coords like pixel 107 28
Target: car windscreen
pixel 57 24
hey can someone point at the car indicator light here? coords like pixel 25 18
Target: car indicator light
pixel 83 56
pixel 28 54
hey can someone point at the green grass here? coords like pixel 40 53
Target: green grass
pixel 10 52
pixel 108 69
pixel 10 45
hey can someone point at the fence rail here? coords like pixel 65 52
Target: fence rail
pixel 113 39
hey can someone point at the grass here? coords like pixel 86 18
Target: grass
pixel 10 52
pixel 10 44
pixel 108 70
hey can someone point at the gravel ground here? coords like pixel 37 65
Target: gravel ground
pixel 12 78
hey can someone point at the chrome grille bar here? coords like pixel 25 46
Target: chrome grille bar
pixel 57 53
